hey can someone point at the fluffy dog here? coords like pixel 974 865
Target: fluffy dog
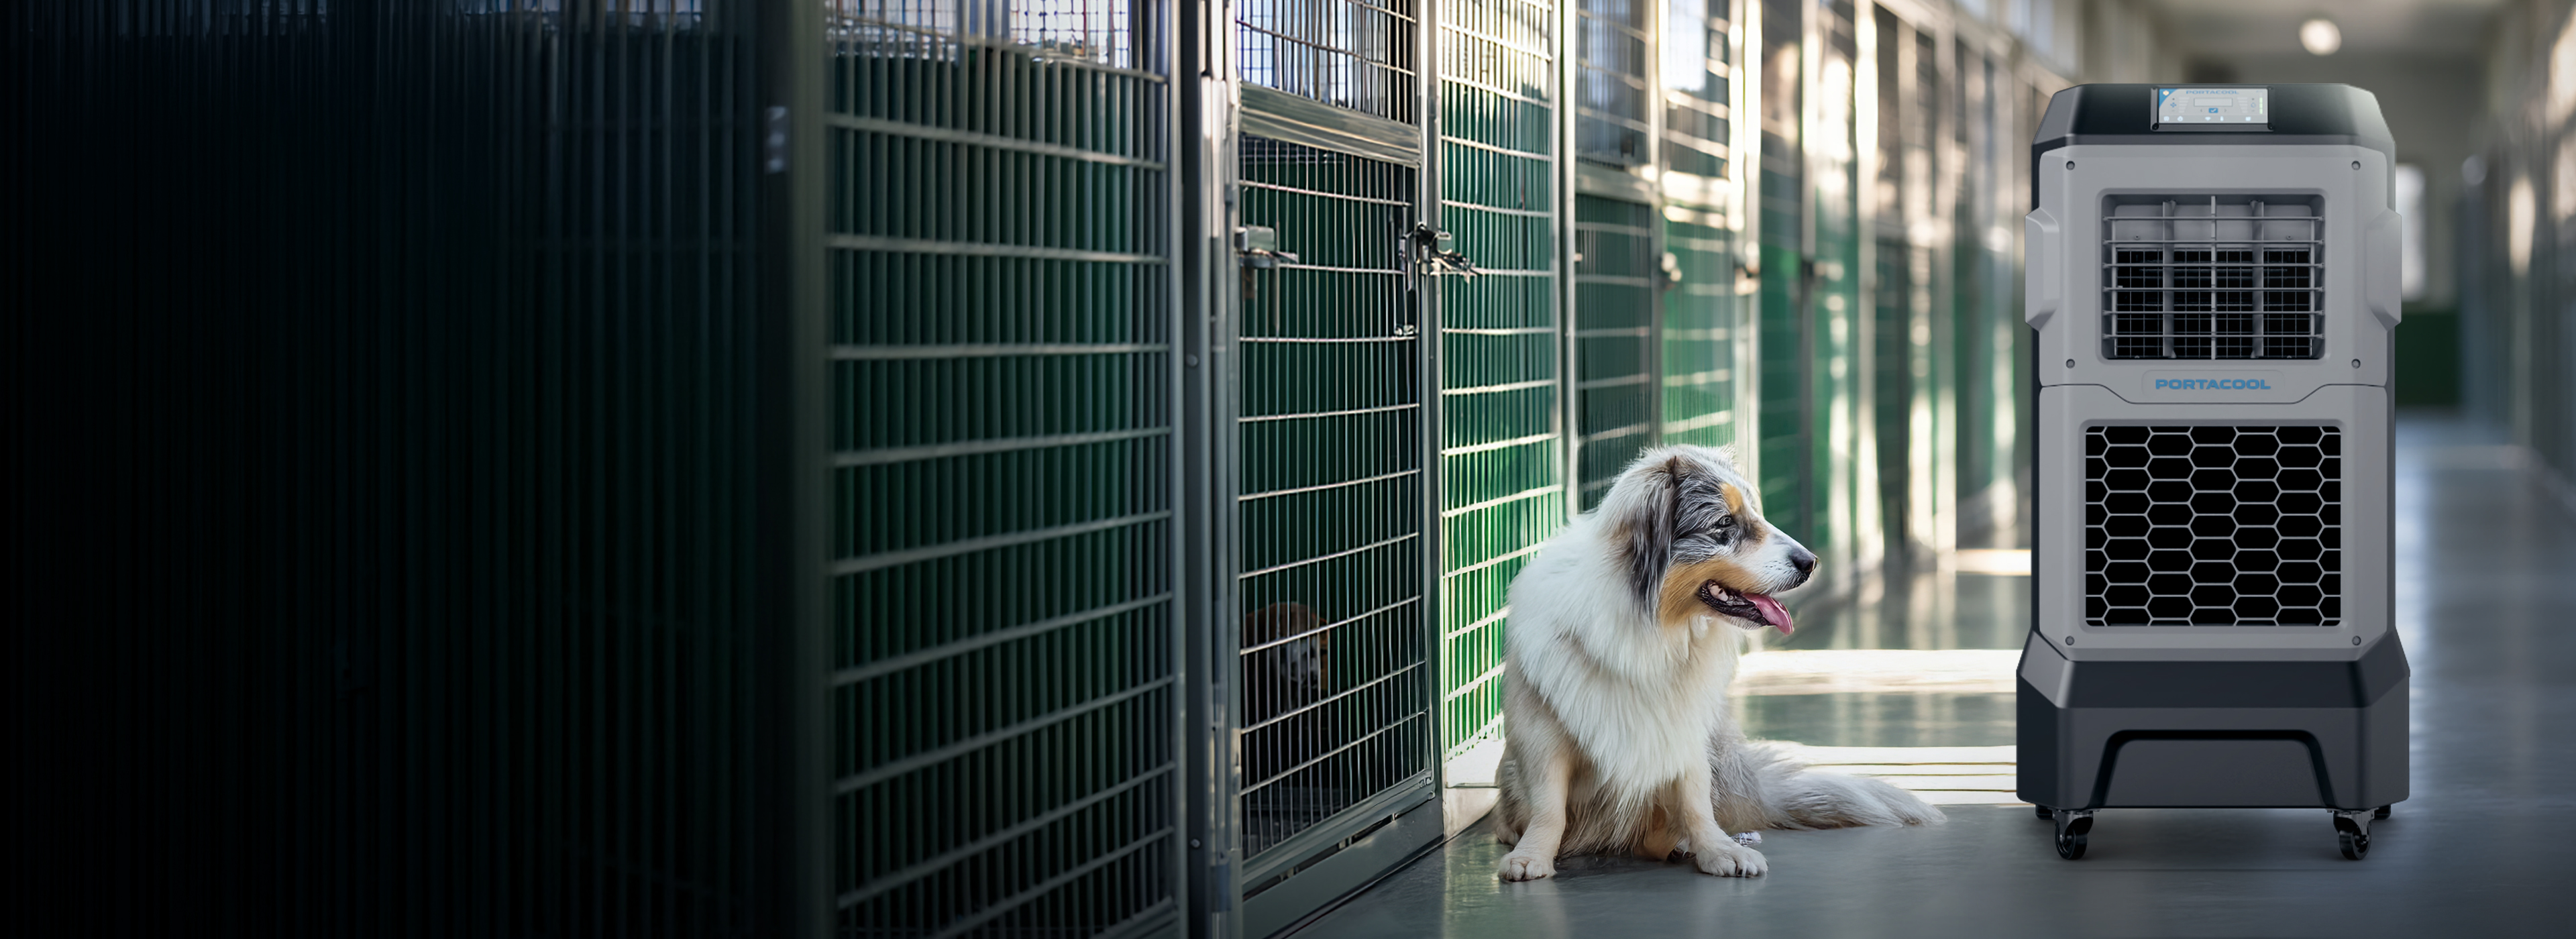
pixel 1616 666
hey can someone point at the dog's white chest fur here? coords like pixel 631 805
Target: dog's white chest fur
pixel 1640 699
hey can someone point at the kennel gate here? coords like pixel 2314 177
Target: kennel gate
pixel 1330 771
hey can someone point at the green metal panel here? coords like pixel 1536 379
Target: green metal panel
pixel 1616 350
pixel 1835 360
pixel 1502 448
pixel 1895 201
pixel 1005 690
pixel 1785 331
pixel 1700 332
pixel 1900 299
pixel 1616 269
pixel 1701 311
pixel 1892 389
pixel 1986 289
pixel 1931 117
pixel 1334 670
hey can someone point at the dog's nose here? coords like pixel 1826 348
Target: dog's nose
pixel 1804 561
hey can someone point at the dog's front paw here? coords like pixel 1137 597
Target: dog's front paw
pixel 1731 860
pixel 1525 865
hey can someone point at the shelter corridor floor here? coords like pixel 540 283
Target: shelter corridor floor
pixel 2486 846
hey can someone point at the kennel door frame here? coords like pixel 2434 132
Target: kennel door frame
pixel 1303 872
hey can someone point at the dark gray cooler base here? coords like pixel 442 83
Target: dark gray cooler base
pixel 2214 734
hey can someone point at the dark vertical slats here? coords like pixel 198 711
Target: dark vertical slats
pixel 383 366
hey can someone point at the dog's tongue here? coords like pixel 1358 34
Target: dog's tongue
pixel 1771 610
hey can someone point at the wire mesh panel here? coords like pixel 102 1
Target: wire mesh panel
pixel 1502 453
pixel 1836 359
pixel 1613 52
pixel 1701 306
pixel 1614 338
pixel 1004 702
pixel 1334 683
pixel 1900 302
pixel 2213 526
pixel 2213 277
pixel 1701 329
pixel 1359 54
pixel 1986 324
pixel 1698 81
pixel 1782 397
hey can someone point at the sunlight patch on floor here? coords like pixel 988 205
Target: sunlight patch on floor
pixel 2004 561
pixel 1833 671
pixel 1941 775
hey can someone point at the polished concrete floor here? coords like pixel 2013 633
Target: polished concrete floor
pixel 2486 846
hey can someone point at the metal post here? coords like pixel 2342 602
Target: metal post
pixel 1428 313
pixel 1744 128
pixel 1569 413
pixel 1868 528
pixel 796 895
pixel 1204 149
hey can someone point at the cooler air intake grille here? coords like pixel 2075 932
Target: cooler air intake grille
pixel 2213 526
pixel 2213 277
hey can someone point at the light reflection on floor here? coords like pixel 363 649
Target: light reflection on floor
pixel 2483 599
pixel 1924 660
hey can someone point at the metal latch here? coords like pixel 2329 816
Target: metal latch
pixel 1258 247
pixel 1427 242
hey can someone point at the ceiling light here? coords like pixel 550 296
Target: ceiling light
pixel 2320 36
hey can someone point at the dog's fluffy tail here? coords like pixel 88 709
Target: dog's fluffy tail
pixel 1759 785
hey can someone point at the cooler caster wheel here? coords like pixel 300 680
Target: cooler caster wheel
pixel 2352 834
pixel 2074 826
pixel 2043 812
pixel 2380 812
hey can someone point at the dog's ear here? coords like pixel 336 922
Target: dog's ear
pixel 1650 516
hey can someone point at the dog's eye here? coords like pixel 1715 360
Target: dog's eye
pixel 1725 522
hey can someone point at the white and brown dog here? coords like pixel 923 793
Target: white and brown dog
pixel 1621 737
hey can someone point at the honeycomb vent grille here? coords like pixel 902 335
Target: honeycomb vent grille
pixel 2213 526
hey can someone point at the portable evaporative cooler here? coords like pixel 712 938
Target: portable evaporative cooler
pixel 2213 274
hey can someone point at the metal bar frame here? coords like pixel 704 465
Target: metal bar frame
pixel 794 57
pixel 1206 111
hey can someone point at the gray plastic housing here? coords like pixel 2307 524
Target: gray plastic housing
pixel 2063 268
pixel 2254 734
pixel 2212 714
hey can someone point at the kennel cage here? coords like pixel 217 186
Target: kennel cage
pixel 2212 272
